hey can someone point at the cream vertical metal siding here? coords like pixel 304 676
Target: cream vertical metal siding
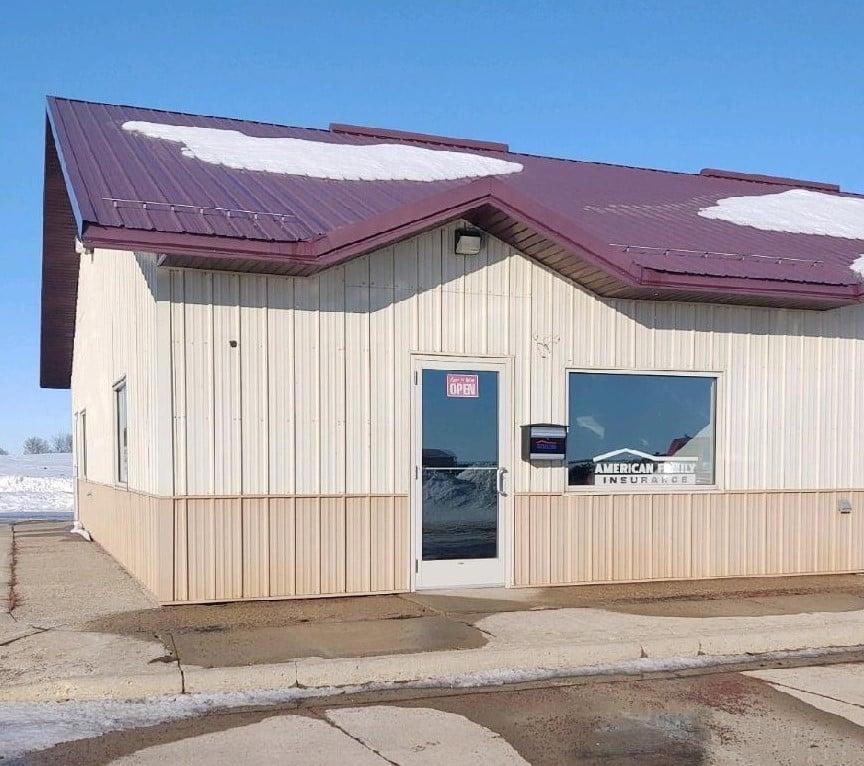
pixel 291 401
pixel 314 398
pixel 115 336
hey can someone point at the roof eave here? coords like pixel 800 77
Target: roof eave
pixel 377 231
pixel 380 231
pixel 778 292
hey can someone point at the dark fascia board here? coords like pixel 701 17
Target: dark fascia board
pixel 380 231
pixel 69 167
pixel 821 296
pixel 59 288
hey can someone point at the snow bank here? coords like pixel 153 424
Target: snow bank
pixel 35 486
pixel 797 211
pixel 316 159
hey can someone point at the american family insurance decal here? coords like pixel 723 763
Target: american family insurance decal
pixel 629 467
pixel 462 386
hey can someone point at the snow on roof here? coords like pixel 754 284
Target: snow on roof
pixel 797 211
pixel 317 159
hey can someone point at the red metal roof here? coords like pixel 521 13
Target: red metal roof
pixel 621 231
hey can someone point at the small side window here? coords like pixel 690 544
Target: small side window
pixel 81 444
pixel 121 433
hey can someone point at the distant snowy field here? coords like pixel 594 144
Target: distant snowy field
pixel 35 487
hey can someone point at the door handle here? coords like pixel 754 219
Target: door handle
pixel 500 480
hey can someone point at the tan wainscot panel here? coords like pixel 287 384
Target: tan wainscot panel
pixel 216 549
pixel 283 547
pixel 135 529
pixel 358 542
pixel 582 538
pixel 256 548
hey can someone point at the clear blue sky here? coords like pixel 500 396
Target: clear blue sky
pixel 776 87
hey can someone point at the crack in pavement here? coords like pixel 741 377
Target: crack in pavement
pixel 322 715
pixel 450 615
pixel 33 632
pixel 11 593
pixel 778 684
pixel 179 666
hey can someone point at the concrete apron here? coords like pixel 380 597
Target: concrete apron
pixel 522 647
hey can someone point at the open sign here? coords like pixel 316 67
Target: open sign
pixel 461 385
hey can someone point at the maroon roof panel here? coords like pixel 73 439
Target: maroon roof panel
pixel 639 226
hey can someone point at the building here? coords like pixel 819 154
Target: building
pixel 302 361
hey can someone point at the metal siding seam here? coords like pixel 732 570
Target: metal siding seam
pixel 242 383
pixel 394 545
pixel 367 372
pixel 179 371
pixel 356 365
pixel 343 276
pixel 818 431
pixel 317 427
pixel 381 366
pixel 265 427
pixel 453 294
pixel 836 411
pixel 211 403
pixel 235 388
pixel 162 404
pixel 212 561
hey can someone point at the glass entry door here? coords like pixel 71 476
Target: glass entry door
pixel 461 475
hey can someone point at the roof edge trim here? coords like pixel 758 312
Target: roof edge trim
pixel 370 234
pixel 426 138
pixel 52 135
pixel 734 175
pixel 837 294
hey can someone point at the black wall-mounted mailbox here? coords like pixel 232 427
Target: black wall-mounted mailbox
pixel 544 441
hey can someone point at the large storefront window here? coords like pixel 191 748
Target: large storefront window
pixel 630 431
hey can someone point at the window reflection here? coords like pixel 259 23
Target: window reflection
pixel 460 458
pixel 460 431
pixel 460 515
pixel 630 431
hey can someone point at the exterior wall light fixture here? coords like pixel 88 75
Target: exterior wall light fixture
pixel 469 241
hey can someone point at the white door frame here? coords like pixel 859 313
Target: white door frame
pixel 467 573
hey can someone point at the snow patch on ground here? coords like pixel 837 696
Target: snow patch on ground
pixel 316 159
pixel 858 266
pixel 35 487
pixel 797 211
